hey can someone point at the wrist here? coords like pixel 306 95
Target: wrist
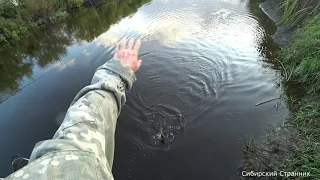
pixel 121 69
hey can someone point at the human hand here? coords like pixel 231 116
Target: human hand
pixel 128 55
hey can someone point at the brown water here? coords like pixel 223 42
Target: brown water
pixel 206 64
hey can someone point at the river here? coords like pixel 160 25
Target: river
pixel 206 64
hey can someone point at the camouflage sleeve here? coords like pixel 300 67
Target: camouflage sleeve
pixel 83 146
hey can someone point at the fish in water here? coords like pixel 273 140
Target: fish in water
pixel 163 136
pixel 160 136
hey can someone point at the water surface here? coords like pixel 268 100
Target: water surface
pixel 206 65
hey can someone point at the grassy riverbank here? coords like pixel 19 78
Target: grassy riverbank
pixel 19 17
pixel 301 62
pixel 295 146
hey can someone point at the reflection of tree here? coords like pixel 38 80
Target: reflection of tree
pixel 87 26
pixel 47 46
pixel 13 67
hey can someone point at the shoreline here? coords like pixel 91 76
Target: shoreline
pixel 292 146
pixel 283 35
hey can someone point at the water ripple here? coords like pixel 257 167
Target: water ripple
pixel 198 53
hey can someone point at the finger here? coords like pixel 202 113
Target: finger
pixel 137 46
pixel 123 43
pixel 139 63
pixel 130 45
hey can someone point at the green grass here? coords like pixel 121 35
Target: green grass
pixel 303 59
pixel 294 11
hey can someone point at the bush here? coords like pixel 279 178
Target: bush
pixel 75 3
pixel 3 38
pixel 35 10
pixel 61 15
pixel 7 9
pixel 18 16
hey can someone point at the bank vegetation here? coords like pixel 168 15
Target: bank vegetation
pixel 295 146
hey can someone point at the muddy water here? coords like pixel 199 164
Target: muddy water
pixel 206 65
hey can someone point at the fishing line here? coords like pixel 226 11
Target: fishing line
pixel 56 68
pixel 96 14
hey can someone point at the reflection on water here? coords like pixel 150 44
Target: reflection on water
pixel 44 47
pixel 206 64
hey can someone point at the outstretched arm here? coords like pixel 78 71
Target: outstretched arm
pixel 83 146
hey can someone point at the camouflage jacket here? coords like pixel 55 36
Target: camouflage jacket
pixel 83 146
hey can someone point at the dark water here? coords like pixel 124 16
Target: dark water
pixel 206 64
